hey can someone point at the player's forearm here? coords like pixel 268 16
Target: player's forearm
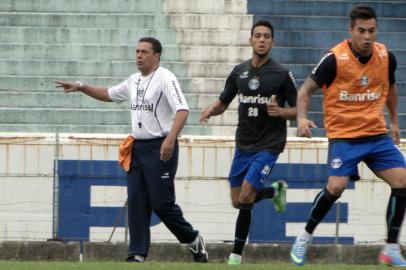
pixel 304 96
pixel 217 108
pixel 100 93
pixel 178 123
pixel 392 103
pixel 289 113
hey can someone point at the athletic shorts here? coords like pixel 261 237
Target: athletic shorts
pixel 378 154
pixel 251 166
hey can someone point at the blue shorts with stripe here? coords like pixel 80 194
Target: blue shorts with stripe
pixel 378 154
pixel 251 166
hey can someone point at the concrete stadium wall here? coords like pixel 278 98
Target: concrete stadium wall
pixel 27 173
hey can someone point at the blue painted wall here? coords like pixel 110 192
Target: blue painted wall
pixel 268 226
pixel 76 216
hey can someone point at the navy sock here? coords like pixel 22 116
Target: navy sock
pixel 267 192
pixel 321 205
pixel 395 213
pixel 242 229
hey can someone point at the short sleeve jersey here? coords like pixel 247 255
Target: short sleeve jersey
pixel 344 110
pixel 256 130
pixel 325 71
pixel 154 100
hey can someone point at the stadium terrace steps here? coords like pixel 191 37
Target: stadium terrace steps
pixel 211 21
pixel 322 24
pixel 72 116
pixel 35 100
pixel 189 54
pixel 93 41
pixel 281 22
pixel 57 99
pixel 78 20
pixel 45 84
pixel 80 36
pixel 122 68
pixel 66 128
pixel 45 40
pixel 327 39
pixel 331 8
pixel 106 68
pixel 209 54
pixel 219 7
pixel 107 129
pixel 32 83
pixel 326 23
pixel 78 52
pixel 78 6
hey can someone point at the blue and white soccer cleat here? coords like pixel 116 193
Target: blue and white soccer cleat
pixel 299 249
pixel 391 256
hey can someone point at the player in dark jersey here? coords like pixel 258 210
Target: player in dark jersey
pixel 358 80
pixel 262 87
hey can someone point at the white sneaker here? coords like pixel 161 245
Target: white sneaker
pixel 299 249
pixel 391 256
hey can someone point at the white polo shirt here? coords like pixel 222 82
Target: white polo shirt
pixel 154 100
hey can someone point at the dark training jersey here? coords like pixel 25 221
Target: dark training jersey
pixel 256 130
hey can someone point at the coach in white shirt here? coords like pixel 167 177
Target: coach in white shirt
pixel 158 113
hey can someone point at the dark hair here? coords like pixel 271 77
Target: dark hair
pixel 263 23
pixel 156 44
pixel 361 12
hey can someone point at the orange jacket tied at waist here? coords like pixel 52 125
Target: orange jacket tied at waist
pixel 125 149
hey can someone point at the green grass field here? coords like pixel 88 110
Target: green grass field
pixel 13 265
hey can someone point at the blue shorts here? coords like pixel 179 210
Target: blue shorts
pixel 378 154
pixel 251 166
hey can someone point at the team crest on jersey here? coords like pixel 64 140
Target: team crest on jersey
pixel 244 75
pixel 140 91
pixel 364 81
pixel 253 84
pixel 382 53
pixel 266 170
pixel 336 163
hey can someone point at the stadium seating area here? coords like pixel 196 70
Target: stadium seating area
pixel 94 41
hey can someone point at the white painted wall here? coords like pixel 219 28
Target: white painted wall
pixel 26 187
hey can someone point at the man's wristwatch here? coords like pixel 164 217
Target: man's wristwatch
pixel 80 85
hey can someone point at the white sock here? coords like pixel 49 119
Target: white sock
pixel 306 235
pixel 391 246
